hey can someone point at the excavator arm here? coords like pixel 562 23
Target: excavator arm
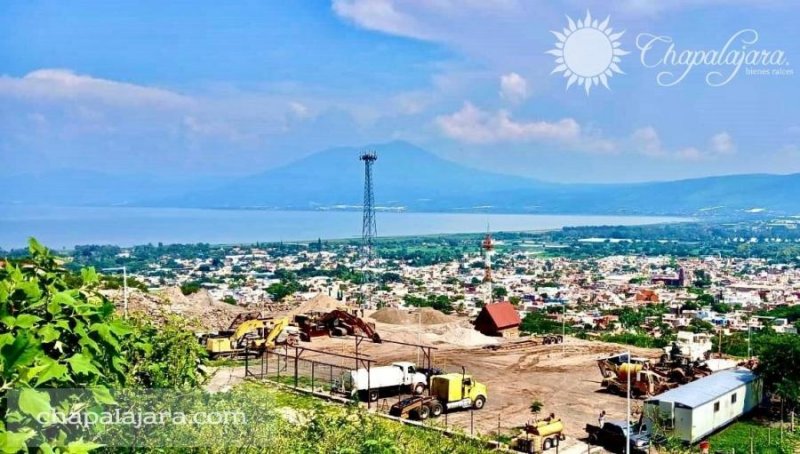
pixel 277 329
pixel 353 321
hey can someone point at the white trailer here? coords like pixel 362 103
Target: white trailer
pixel 695 410
pixel 382 380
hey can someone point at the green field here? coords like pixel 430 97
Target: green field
pixel 765 439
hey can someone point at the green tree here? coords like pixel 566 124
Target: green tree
pixel 536 408
pixel 779 366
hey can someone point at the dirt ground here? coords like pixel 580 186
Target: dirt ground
pixel 564 377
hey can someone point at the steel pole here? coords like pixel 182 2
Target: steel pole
pixel 628 411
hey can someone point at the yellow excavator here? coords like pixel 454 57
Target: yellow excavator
pixel 253 335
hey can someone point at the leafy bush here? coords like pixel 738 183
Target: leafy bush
pixel 54 335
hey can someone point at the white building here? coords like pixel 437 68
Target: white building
pixel 697 409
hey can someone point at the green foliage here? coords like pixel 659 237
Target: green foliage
pixel 164 356
pixel 779 365
pixel 54 335
pixel 187 288
pixel 441 303
pixel 229 300
pixel 499 292
pixel 738 437
pixel 280 290
pixel 538 323
pixel 536 407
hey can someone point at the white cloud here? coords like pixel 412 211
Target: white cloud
pixel 65 85
pixel 513 87
pixel 299 109
pixel 473 125
pixel 722 143
pixel 646 141
pixel 380 15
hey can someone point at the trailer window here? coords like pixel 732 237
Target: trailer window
pixel 733 398
pixel 716 407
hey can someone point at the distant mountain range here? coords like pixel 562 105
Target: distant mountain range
pixel 407 177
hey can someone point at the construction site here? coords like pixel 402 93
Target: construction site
pixel 477 375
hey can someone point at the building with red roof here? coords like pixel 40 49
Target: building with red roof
pixel 498 319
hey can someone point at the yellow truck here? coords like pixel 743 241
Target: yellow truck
pixel 540 436
pixel 255 333
pixel 447 392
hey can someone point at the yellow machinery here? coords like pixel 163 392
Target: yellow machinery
pixel 540 436
pixel 252 334
pixel 447 392
pixel 458 391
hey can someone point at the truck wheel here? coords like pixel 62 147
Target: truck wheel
pixel 419 389
pixel 373 395
pixel 547 444
pixel 436 409
pixel 423 412
pixel 560 339
pixel 479 401
pixel 555 441
pixel 546 341
pixel 593 439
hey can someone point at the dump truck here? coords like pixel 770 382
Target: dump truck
pixel 251 335
pixel 540 436
pixel 382 380
pixel 447 392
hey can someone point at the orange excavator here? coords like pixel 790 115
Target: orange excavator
pixel 335 323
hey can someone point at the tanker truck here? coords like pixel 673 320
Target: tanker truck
pixel 540 436
pixel 382 380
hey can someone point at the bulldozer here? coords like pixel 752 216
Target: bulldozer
pixel 540 436
pixel 252 335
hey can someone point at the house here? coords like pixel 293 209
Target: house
pixel 697 409
pixel 498 319
pixel 646 296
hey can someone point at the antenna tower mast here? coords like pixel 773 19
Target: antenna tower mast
pixel 369 229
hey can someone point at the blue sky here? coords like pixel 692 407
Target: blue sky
pixel 231 88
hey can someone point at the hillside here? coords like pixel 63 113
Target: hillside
pixel 408 177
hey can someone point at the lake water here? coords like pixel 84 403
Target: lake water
pixel 64 227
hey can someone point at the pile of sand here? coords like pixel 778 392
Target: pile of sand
pixel 458 335
pixel 319 303
pixel 424 316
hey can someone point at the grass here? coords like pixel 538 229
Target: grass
pixel 766 439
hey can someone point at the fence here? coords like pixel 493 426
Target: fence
pixel 287 365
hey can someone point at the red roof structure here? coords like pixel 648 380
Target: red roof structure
pixel 496 317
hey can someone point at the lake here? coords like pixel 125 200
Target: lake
pixel 65 227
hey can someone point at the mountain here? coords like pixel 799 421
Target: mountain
pixel 411 178
pixel 404 176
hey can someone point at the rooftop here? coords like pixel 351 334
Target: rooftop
pixel 706 389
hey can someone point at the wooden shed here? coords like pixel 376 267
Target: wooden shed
pixel 498 319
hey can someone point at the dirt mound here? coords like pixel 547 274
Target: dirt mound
pixel 199 308
pixel 319 303
pixel 424 316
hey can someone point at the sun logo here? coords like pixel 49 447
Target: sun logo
pixel 587 52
